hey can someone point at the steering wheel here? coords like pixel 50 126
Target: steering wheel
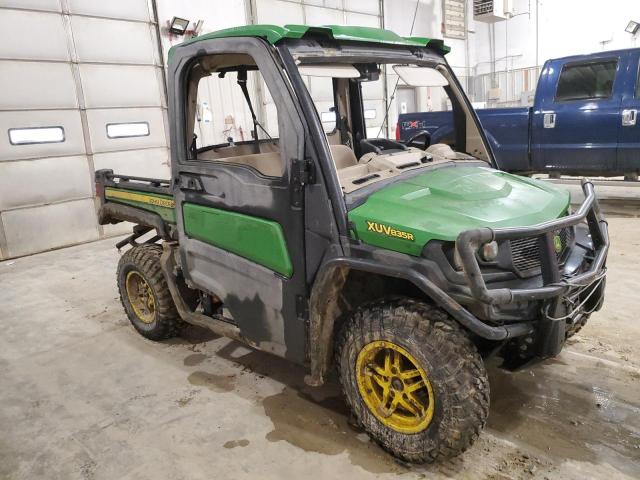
pixel 415 136
pixel 380 145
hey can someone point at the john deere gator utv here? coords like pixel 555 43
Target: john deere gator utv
pixel 401 265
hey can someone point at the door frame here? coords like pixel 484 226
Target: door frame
pixel 270 323
pixel 545 140
pixel 628 155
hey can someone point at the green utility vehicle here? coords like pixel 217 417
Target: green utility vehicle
pixel 400 265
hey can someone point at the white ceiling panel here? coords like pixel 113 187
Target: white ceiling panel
pixel 279 13
pixel 112 41
pixel 120 86
pixel 23 35
pixel 332 3
pixel 65 224
pixel 363 20
pixel 46 180
pixel 125 9
pixel 371 7
pixel 69 120
pixel 27 85
pixel 323 16
pixel 99 119
pixel 324 3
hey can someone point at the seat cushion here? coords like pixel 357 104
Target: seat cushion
pixel 343 156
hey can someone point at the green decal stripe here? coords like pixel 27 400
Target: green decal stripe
pixel 256 239
pixel 163 205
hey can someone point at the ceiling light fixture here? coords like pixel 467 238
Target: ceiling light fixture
pixel 632 27
pixel 178 25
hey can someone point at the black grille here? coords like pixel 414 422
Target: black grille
pixel 525 252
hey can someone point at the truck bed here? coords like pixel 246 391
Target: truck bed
pixel 507 130
pixel 144 201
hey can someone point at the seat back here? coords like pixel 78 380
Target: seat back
pixel 343 156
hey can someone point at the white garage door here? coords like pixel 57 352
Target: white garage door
pixel 81 89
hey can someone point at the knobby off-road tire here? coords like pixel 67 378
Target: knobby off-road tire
pixel 145 295
pixel 457 397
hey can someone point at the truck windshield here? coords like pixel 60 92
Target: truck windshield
pixel 361 127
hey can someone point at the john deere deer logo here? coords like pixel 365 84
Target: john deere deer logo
pixel 557 243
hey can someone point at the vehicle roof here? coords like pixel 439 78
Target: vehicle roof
pixel 587 56
pixel 274 34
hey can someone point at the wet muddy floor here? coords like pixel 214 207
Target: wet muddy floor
pixel 83 396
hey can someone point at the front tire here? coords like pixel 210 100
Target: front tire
pixel 145 295
pixel 413 379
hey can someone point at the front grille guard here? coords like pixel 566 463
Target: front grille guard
pixel 469 241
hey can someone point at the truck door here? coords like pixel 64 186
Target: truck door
pixel 238 199
pixel 576 123
pixel 629 124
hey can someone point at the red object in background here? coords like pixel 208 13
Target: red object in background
pixel 398 131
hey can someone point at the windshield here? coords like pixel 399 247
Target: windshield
pixel 372 140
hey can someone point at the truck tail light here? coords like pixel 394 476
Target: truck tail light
pixel 398 131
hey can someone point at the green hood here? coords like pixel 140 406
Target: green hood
pixel 442 203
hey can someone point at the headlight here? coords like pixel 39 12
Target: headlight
pixel 489 251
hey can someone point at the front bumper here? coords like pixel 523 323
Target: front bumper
pixel 557 286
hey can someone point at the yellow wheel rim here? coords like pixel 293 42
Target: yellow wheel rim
pixel 140 297
pixel 395 387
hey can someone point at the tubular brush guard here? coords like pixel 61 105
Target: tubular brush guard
pixel 469 241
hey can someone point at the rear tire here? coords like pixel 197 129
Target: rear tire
pixel 145 295
pixel 438 418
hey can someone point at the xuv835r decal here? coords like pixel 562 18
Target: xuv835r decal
pixel 387 230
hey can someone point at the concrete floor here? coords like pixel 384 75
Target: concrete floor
pixel 83 396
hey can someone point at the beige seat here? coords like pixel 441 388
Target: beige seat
pixel 269 163
pixel 442 150
pixel 343 156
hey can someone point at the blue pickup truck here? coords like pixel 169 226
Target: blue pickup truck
pixel 584 120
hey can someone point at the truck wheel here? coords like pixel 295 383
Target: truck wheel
pixel 145 295
pixel 413 379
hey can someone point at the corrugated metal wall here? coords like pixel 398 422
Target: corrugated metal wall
pixel 77 65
